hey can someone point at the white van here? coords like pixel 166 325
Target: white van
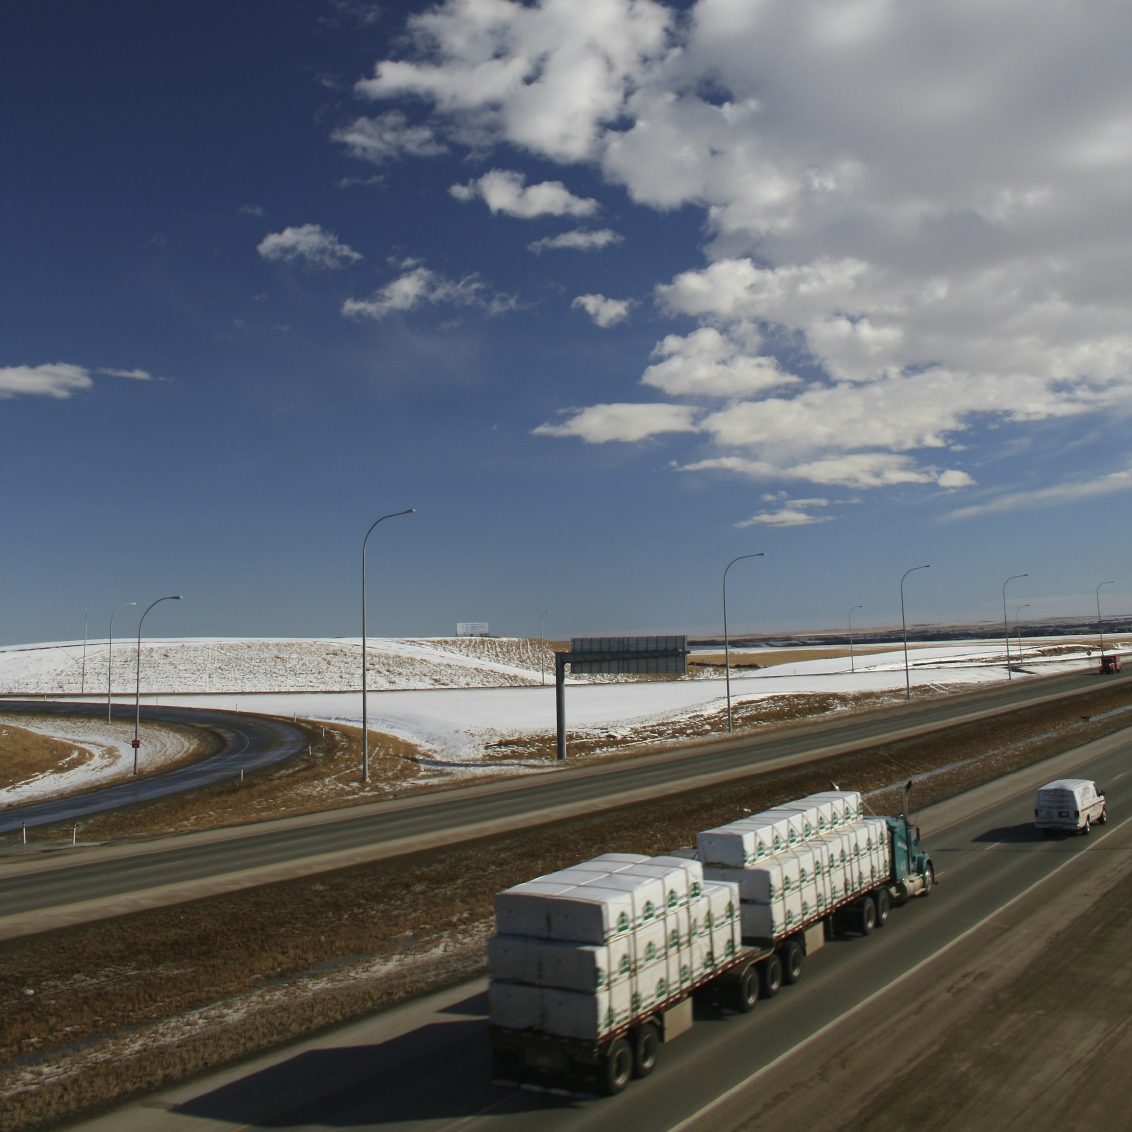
pixel 1073 804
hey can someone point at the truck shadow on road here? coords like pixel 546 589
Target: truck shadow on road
pixel 441 1070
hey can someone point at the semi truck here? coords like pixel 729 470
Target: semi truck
pixel 594 968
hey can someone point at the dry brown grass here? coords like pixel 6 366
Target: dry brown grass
pixel 113 988
pixel 24 754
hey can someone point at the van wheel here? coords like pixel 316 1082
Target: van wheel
pixel 1086 827
pixel 793 960
pixel 646 1049
pixel 771 975
pixel 618 1067
pixel 884 906
pixel 747 990
pixel 1103 819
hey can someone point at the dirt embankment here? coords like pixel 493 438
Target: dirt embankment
pixel 100 1011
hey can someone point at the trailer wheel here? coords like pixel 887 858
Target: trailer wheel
pixel 771 975
pixel 747 990
pixel 884 906
pixel 793 961
pixel 618 1067
pixel 646 1049
pixel 867 916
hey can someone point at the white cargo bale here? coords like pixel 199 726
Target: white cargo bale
pixel 774 831
pixel 763 921
pixel 589 913
pixel 584 967
pixel 571 1014
pixel 794 820
pixel 675 880
pixel 722 904
pixel 692 866
pixel 646 894
pixel 649 943
pixel 848 806
pixel 514 958
pixel 730 845
pixel 515 1005
pixel 679 960
pixel 617 861
pixel 827 813
pixel 525 908
pixel 813 823
pixel 650 985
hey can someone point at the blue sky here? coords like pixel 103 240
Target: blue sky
pixel 610 291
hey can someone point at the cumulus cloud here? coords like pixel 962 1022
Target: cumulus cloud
pixel 505 191
pixel 388 137
pixel 604 311
pixel 910 259
pixel 57 380
pixel 419 285
pixel 309 245
pixel 580 239
pixel 784 517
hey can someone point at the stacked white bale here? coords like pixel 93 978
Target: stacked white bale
pixel 605 940
pixel 796 862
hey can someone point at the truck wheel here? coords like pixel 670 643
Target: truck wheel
pixel 646 1049
pixel 747 990
pixel 793 960
pixel 771 976
pixel 618 1067
pixel 884 906
pixel 867 916
pixel 929 882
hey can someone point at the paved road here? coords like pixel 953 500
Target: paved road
pixel 425 1067
pixel 105 881
pixel 249 743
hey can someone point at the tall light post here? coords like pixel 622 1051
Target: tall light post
pixel 1018 628
pixel 852 667
pixel 110 656
pixel 726 642
pixel 1005 627
pixel 904 626
pixel 1100 624
pixel 137 676
pixel 542 647
pixel 82 677
pixel 365 706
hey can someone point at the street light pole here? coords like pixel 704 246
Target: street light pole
pixel 542 647
pixel 137 676
pixel 726 643
pixel 1005 627
pixel 852 667
pixel 365 706
pixel 1100 624
pixel 904 626
pixel 82 677
pixel 110 656
pixel 1018 627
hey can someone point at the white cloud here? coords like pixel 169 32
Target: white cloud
pixel 600 424
pixel 58 380
pixel 583 240
pixel 784 517
pixel 419 285
pixel 1056 495
pixel 910 258
pixel 708 364
pixel 388 137
pixel 309 245
pixel 505 191
pixel 604 311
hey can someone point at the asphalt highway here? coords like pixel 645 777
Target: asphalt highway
pixel 248 743
pixel 426 1066
pixel 49 891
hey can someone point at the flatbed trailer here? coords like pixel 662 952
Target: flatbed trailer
pixel 758 969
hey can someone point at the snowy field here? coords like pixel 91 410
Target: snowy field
pixel 452 696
